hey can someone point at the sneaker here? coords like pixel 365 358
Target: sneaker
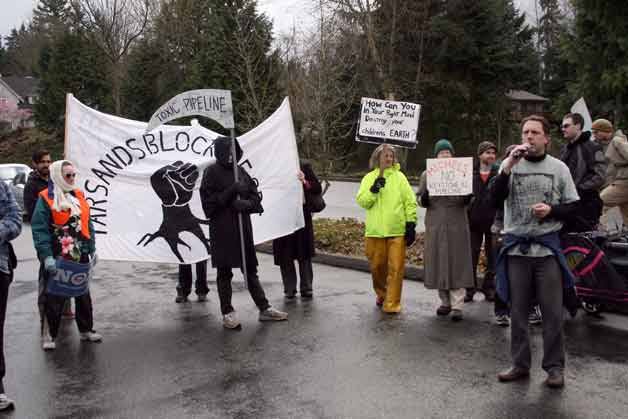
pixel 202 298
pixel 502 320
pixel 456 315
pixel 290 297
pixel 379 301
pixel 6 403
pixel 535 316
pixel 91 336
pixel 306 295
pixel 48 343
pixel 443 311
pixel 181 299
pixel 230 321
pixel 272 314
pixel 468 298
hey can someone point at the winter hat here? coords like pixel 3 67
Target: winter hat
pixel 443 144
pixel 603 125
pixel 485 146
pixel 62 200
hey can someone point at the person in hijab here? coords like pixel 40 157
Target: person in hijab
pixel 223 199
pixel 60 208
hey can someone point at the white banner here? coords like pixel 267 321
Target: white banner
pixel 389 121
pixel 122 169
pixel 450 176
pixel 581 107
pixel 211 103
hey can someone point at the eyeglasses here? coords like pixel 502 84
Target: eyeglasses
pixel 70 175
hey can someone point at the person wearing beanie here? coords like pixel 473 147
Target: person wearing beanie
pixel 602 131
pixel 615 194
pixel 391 217
pixel 442 145
pixel 447 254
pixel 481 218
pixel 62 211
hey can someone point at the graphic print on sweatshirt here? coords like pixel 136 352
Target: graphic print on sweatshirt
pixel 528 189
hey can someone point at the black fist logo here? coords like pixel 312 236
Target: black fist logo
pixel 174 183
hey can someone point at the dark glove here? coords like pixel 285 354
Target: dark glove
pixel 425 199
pixel 410 235
pixel 242 205
pixel 378 184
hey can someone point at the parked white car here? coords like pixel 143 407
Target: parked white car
pixel 15 175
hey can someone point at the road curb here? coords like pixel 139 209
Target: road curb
pixel 413 272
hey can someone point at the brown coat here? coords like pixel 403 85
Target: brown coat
pixel 447 253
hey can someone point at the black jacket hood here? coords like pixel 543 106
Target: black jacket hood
pixel 222 151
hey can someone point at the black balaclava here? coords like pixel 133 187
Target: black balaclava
pixel 222 151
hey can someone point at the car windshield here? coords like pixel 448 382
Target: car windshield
pixel 9 172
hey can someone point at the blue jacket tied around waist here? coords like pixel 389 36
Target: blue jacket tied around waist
pixel 550 241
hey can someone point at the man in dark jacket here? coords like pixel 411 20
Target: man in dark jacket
pixel 223 199
pixel 37 181
pixel 586 162
pixel 481 217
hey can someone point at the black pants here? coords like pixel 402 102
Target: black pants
pixel 289 276
pixel 477 238
pixel 540 276
pixel 223 282
pixel 184 286
pixel 5 281
pixel 51 308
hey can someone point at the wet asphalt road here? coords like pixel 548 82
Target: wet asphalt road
pixel 337 356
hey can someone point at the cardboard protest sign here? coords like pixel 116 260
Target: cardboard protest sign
pixel 450 177
pixel 387 121
pixel 211 103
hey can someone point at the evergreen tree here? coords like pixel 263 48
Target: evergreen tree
pixel 597 54
pixel 73 65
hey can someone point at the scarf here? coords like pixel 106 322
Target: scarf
pixel 62 198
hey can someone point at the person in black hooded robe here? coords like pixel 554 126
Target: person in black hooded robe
pixel 223 199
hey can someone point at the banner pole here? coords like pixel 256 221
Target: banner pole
pixel 65 133
pixel 240 221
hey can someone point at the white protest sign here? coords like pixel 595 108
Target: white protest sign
pixel 448 177
pixel 143 188
pixel 211 103
pixel 387 121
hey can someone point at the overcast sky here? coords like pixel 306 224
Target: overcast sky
pixel 285 13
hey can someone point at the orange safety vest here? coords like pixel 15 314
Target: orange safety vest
pixel 61 218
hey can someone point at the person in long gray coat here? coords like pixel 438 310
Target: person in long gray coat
pixel 447 254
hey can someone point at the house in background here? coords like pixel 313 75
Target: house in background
pixel 525 104
pixel 18 96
